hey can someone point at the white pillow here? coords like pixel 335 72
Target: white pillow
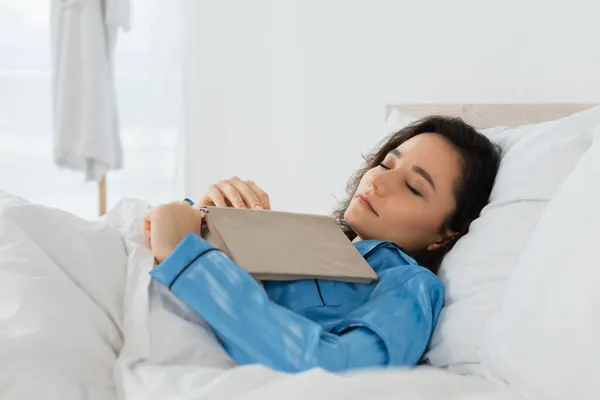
pixel 536 160
pixel 545 340
pixel 61 291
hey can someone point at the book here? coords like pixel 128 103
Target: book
pixel 275 245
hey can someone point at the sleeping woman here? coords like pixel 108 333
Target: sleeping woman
pixel 415 197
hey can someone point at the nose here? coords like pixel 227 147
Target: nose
pixel 379 183
pixel 384 182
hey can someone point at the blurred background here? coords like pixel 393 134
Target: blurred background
pixel 147 66
pixel 288 93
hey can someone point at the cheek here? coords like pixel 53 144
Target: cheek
pixel 414 220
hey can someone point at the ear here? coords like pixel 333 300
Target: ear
pixel 443 240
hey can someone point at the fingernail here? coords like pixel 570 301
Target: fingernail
pixel 258 207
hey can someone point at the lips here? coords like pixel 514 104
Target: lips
pixel 365 201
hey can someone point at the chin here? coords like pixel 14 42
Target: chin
pixel 359 223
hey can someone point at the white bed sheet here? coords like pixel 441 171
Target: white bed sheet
pixel 78 322
pixel 170 354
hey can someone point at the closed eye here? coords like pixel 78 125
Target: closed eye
pixel 414 191
pixel 411 188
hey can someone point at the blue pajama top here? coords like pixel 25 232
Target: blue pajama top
pixel 297 325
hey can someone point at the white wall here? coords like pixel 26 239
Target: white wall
pixel 288 92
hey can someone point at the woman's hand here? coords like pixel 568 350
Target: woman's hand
pixel 236 193
pixel 166 225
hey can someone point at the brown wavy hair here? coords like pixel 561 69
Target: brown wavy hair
pixel 481 159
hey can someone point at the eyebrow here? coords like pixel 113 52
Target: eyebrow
pixel 417 169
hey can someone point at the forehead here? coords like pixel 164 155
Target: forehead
pixel 434 153
pixel 425 140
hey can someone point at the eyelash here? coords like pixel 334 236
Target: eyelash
pixel 412 189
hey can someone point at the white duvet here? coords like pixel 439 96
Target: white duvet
pixel 80 319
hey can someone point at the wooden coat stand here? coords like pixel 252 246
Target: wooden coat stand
pixel 102 195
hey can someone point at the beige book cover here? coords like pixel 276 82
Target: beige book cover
pixel 274 245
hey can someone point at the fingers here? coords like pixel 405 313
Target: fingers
pixel 263 197
pixel 250 198
pixel 147 225
pixel 236 193
pixel 231 193
pixel 213 197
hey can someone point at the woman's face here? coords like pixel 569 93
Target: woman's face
pixel 407 198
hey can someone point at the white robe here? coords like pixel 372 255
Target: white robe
pixel 86 126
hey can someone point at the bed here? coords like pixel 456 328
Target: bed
pixel 81 319
pixel 485 116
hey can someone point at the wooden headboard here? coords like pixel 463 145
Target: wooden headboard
pixel 489 115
